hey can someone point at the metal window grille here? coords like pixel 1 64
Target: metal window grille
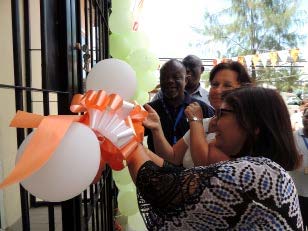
pixel 73 37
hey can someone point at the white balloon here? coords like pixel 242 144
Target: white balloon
pixel 113 76
pixel 70 169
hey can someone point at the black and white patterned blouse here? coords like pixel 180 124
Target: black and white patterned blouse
pixel 249 193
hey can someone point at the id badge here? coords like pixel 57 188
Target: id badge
pixel 306 170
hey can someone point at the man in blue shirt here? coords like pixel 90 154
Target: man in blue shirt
pixel 170 107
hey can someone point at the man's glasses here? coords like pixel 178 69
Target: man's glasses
pixel 221 111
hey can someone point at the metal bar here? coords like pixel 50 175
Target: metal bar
pixel 43 42
pixel 101 10
pixel 99 27
pixel 32 89
pixel 106 193
pixel 65 48
pixel 46 103
pixel 85 209
pixel 167 58
pixel 96 207
pixel 19 100
pixel 51 217
pixel 71 214
pixel 33 202
pixel 86 13
pixel 106 200
pixel 98 7
pixel 101 193
pixel 103 201
pixel 72 41
pixel 75 28
pixel 28 70
pixel 109 204
pixel 106 8
pixel 17 55
pixel 95 199
pixel 24 195
pixel 96 35
pixel 91 34
pixel 44 57
pixel 261 66
pixel 102 31
pixel 71 209
pixel 92 206
pixel 45 203
pixel 211 60
pixel 79 52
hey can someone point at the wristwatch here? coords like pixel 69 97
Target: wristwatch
pixel 194 118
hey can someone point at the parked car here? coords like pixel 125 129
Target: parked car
pixel 293 100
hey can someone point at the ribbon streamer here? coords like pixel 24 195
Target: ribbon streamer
pixel 117 124
pixel 43 143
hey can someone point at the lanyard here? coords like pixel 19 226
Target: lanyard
pixel 305 141
pixel 177 120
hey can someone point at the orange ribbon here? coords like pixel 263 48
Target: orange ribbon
pixel 96 100
pixel 39 150
pixel 100 100
pixel 51 129
pixel 137 116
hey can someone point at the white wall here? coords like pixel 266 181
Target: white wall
pixel 8 146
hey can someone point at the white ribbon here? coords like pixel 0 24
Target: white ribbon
pixel 112 124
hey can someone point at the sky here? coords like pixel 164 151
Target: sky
pixel 167 23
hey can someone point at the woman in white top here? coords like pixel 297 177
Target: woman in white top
pixel 193 149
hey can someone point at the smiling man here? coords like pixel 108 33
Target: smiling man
pixel 194 70
pixel 171 106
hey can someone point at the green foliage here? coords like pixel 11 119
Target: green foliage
pixel 205 76
pixel 284 79
pixel 255 26
pixel 249 26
